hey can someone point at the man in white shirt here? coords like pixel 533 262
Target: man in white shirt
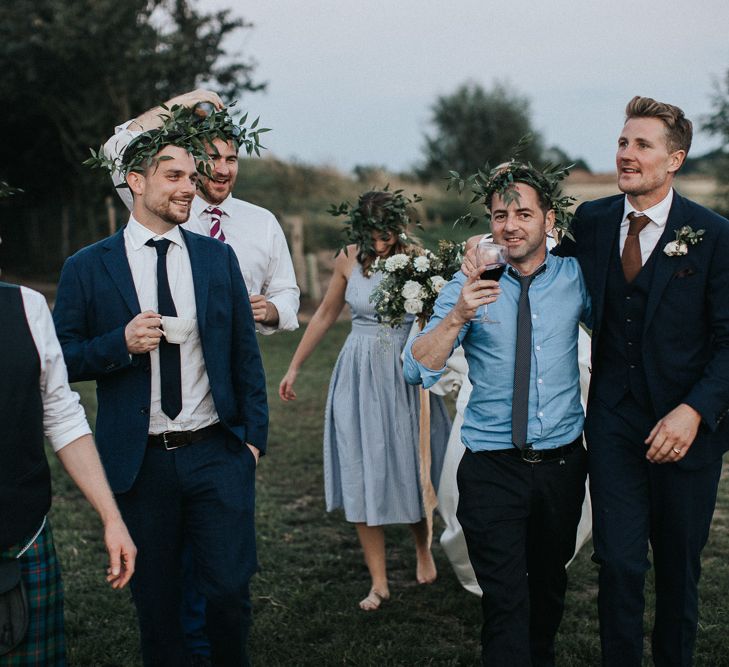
pixel 35 400
pixel 252 231
pixel 180 425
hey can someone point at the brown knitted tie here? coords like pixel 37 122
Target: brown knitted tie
pixel 631 257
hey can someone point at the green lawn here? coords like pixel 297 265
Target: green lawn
pixel 312 572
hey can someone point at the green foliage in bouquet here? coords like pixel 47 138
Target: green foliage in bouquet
pixel 395 214
pixel 186 128
pixel 412 282
pixel 501 179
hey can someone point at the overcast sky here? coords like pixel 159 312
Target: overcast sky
pixel 352 82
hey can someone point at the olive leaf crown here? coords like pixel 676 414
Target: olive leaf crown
pixel 184 128
pixel 392 216
pixel 501 180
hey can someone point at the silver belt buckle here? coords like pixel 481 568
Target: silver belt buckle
pixel 531 455
pixel 165 444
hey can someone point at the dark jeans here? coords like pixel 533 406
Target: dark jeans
pixel 636 502
pixel 520 523
pixel 203 495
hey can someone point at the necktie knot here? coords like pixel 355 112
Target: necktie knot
pixel 214 211
pixel 161 246
pixel 638 222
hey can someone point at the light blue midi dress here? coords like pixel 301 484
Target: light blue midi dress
pixel 371 460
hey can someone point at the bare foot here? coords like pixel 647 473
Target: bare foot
pixel 426 573
pixel 374 600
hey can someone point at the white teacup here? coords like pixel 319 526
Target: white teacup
pixel 177 329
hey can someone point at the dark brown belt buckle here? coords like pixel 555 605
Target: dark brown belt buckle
pixel 168 439
pixel 531 455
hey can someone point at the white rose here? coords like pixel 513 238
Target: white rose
pixel 675 249
pixel 437 283
pixel 411 290
pixel 421 263
pixel 396 262
pixel 413 306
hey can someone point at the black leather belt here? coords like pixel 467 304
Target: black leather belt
pixel 531 455
pixel 175 439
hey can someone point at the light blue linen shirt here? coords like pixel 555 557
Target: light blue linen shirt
pixel 559 301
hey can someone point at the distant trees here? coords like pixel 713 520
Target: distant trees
pixel 473 125
pixel 717 123
pixel 70 70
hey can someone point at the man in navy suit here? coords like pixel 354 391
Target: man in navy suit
pixel 179 426
pixel 657 270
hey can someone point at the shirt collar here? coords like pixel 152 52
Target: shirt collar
pixel 199 205
pixel 658 213
pixel 138 234
pixel 543 268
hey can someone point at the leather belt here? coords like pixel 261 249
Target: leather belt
pixel 175 439
pixel 531 455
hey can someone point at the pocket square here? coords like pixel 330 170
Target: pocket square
pixel 684 273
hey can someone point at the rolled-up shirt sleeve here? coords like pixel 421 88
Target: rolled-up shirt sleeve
pixel 64 419
pixel 414 371
pixel 280 287
pixel 113 149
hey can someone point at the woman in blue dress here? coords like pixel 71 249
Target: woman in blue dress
pixel 371 459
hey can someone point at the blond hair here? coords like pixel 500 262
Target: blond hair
pixel 679 129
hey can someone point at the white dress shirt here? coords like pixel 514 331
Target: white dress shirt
pixel 64 419
pixel 198 409
pixel 653 231
pixel 254 234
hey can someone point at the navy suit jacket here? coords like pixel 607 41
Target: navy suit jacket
pixel 686 330
pixel 97 299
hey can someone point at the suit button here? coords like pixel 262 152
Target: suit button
pixel 632 365
pixel 627 319
pixel 630 344
pixel 144 411
pixel 627 298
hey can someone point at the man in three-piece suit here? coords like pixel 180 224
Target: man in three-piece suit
pixel 179 426
pixel 656 266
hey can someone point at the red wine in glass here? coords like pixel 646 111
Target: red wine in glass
pixel 493 272
pixel 493 257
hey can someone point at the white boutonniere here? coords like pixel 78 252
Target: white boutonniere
pixel 685 237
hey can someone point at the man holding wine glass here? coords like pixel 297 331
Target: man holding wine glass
pixel 522 478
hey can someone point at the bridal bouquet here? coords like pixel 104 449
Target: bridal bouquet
pixel 413 281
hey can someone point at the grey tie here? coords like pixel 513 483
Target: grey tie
pixel 523 362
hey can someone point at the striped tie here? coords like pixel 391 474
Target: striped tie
pixel 216 229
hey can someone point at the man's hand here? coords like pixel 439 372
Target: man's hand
pixel 673 435
pixel 122 553
pixel 469 265
pixel 263 311
pixel 255 451
pixel 474 294
pixel 192 98
pixel 143 333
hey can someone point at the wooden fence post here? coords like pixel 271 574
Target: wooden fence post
pixel 295 224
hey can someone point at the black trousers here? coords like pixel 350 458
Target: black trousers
pixel 201 495
pixel 636 502
pixel 520 524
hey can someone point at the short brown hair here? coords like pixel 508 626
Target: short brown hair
pixel 679 129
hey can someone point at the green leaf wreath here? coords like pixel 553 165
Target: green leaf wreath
pixel 183 127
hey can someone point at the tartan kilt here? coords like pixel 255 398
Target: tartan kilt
pixel 44 645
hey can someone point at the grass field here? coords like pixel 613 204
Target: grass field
pixel 312 573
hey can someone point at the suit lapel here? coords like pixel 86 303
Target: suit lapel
pixel 199 250
pixel 665 265
pixel 606 234
pixel 115 260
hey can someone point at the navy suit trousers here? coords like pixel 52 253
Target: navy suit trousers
pixel 201 494
pixel 636 502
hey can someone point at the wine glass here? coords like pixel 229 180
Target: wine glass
pixel 493 257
